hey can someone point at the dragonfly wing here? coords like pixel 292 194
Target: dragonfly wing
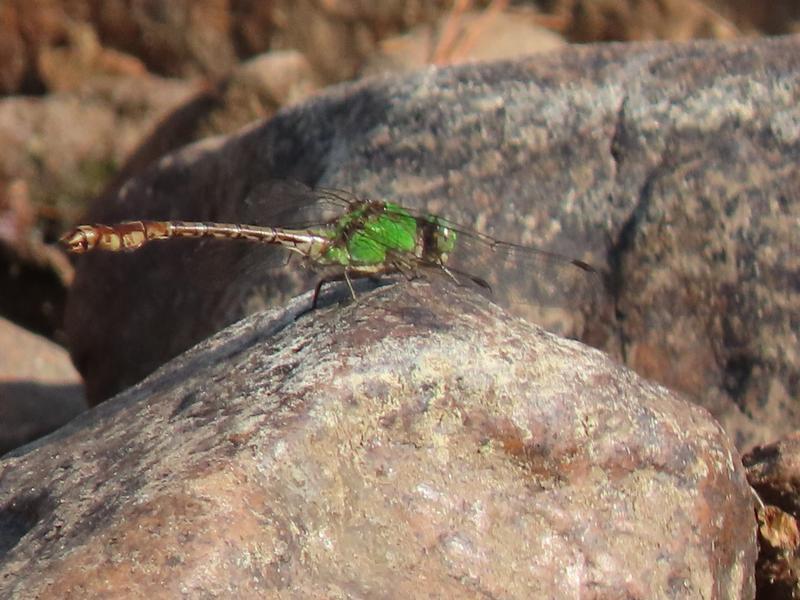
pixel 294 205
pixel 544 286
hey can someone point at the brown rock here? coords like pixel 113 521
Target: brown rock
pixel 26 27
pixel 776 18
pixel 485 35
pixel 39 388
pixel 337 38
pixel 419 437
pixel 176 38
pixel 12 51
pixel 49 44
pixel 72 142
pixel 69 66
pixel 53 44
pixel 778 566
pixel 774 472
pixel 605 20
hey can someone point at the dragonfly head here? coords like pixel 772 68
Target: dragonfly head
pixel 444 239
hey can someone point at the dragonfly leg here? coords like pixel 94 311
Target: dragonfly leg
pixel 350 285
pixel 317 290
pixel 324 280
pixel 406 271
pixel 450 274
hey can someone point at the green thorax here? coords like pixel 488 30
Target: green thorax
pixel 368 233
pixel 376 234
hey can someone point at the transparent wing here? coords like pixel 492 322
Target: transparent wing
pixel 548 288
pixel 276 203
pixel 293 204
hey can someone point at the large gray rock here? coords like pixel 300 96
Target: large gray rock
pixel 417 440
pixel 672 167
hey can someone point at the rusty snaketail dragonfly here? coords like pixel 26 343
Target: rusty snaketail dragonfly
pixel 366 238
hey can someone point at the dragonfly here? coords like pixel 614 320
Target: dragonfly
pixel 365 238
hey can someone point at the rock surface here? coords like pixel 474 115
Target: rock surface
pixel 71 141
pixel 419 437
pixel 774 472
pixel 672 167
pixel 39 388
pixel 482 35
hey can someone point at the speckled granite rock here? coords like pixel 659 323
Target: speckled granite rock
pixel 417 439
pixel 671 166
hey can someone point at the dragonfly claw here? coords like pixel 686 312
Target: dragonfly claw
pixel 81 239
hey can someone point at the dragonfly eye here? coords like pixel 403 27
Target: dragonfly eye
pixel 445 239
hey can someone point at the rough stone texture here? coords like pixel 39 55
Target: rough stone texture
pixel 774 472
pixel 778 566
pixel 672 167
pixel 420 437
pixel 39 388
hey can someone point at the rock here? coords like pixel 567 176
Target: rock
pixel 24 28
pixel 67 67
pixel 778 566
pixel 170 38
pixel 485 35
pixel 708 271
pixel 337 38
pixel 33 275
pixel 39 388
pixel 607 20
pixel 780 18
pixel 630 157
pixel 255 89
pixel 72 142
pixel 45 45
pixel 774 472
pixel 259 87
pixel 417 437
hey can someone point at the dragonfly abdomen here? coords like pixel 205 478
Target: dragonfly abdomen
pixel 131 235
